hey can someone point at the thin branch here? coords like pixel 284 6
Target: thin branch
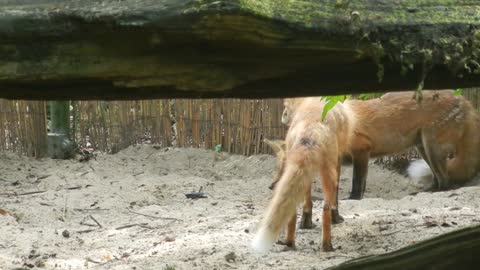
pixel 152 216
pixel 64 207
pixel 74 187
pixel 22 194
pixel 96 221
pixel 137 173
pixel 85 231
pixel 131 225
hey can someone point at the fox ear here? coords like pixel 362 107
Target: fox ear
pixel 276 145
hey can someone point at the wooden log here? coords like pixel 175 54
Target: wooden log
pixel 454 250
pixel 132 49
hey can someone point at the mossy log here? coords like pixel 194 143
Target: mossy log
pixel 132 49
pixel 454 250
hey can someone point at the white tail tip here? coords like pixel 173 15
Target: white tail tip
pixel 263 240
pixel 420 172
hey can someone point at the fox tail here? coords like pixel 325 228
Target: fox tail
pixel 288 192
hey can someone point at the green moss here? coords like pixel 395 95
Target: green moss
pixel 386 26
pixel 307 12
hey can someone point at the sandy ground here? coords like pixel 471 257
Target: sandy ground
pixel 129 211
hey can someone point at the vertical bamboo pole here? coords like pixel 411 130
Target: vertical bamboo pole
pixel 59 144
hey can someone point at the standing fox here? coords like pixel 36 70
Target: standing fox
pixel 312 146
pixel 440 125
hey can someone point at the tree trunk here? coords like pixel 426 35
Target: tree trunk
pixel 132 49
pixel 58 141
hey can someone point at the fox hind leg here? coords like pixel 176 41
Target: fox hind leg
pixel 306 221
pixel 289 242
pixel 434 184
pixel 435 158
pixel 329 186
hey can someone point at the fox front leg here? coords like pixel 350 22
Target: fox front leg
pixel 360 171
pixel 336 218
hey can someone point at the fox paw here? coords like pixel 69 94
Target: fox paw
pixel 327 247
pixel 289 248
pixel 336 218
pixel 431 188
pixel 355 196
pixel 289 245
pixel 306 221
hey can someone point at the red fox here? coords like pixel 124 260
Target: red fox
pixel 312 146
pixel 440 125
pixel 278 147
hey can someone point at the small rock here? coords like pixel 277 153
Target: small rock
pixel 169 239
pixel 231 257
pixel 383 228
pixel 33 254
pixel 40 264
pixel 66 234
pixel 29 265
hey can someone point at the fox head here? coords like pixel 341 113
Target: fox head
pixel 290 105
pixel 286 116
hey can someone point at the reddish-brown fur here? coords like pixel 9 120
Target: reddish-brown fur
pixel 441 125
pixel 312 146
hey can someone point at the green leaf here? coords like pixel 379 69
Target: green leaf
pixel 458 92
pixel 365 96
pixel 328 107
pixel 331 101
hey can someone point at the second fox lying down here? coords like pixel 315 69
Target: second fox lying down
pixel 442 124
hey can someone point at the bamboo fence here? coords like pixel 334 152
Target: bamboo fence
pixel 237 125
pixel 23 127
pixel 112 126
